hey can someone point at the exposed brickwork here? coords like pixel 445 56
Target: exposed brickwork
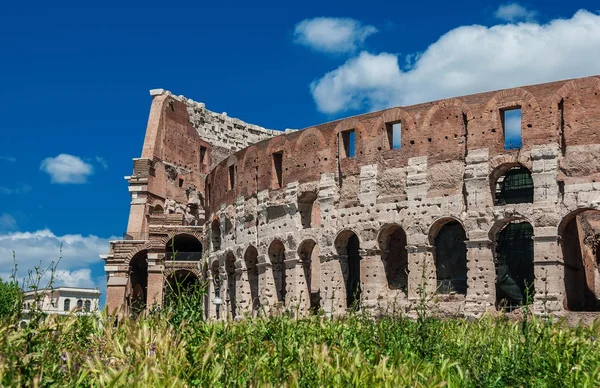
pixel 331 210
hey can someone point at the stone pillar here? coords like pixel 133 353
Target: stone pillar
pixel 243 295
pixel 297 297
pixel 116 288
pixel 421 271
pixel 267 294
pixel 549 274
pixel 368 190
pixel 481 277
pixel 373 281
pixel 211 312
pixel 156 280
pixel 333 287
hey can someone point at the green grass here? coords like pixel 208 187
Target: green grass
pixel 354 351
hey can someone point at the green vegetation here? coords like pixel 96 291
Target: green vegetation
pixel 355 351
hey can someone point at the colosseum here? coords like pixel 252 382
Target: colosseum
pixel 479 203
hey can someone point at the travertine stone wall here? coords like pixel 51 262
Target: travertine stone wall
pixel 451 156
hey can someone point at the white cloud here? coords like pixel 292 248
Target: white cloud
pixel 67 168
pixel 332 35
pixel 20 188
pixel 42 247
pixel 8 158
pixel 7 222
pixel 514 12
pixel 101 161
pixel 468 59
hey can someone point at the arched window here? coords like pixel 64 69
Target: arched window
pixel 231 283
pixel 184 247
pixel 215 235
pixel 451 259
pixel 79 304
pixel 392 242
pixel 251 260
pixel 67 305
pixel 311 266
pixel 277 256
pixel 514 265
pixel 580 234
pixel 88 305
pixel 348 245
pixel 514 186
pixel 138 278
pixel 308 206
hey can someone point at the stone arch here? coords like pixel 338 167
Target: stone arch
pixel 137 292
pixel 569 128
pixel 347 245
pixel 392 244
pixel 135 251
pixel 447 238
pixel 512 239
pixel 250 264
pixel 579 233
pixel 276 253
pixel 178 282
pixel 183 247
pixel 308 253
pixel 511 183
pixel 394 115
pixel 511 97
pixel 309 208
pixel 447 103
pixel 360 133
pixel 215 234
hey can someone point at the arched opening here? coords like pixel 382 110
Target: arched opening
pixel 67 305
pixel 308 206
pixel 215 235
pixel 277 257
pixel 448 238
pixel 87 305
pixel 311 266
pixel 138 282
pixel 348 247
pixel 184 247
pixel 180 282
pixel 392 242
pixel 79 304
pixel 231 284
pixel 155 210
pixel 251 261
pixel 512 184
pixel 579 240
pixel 514 265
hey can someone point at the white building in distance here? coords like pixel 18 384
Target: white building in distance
pixel 62 301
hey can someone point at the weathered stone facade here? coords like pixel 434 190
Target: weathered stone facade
pixel 336 214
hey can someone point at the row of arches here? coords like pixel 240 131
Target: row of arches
pixel 513 252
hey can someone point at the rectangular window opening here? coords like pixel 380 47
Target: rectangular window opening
pixel 231 177
pixel 348 143
pixel 278 167
pixel 394 134
pixel 511 125
pixel 180 182
pixel 202 154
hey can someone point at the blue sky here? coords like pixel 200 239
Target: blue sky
pixel 75 78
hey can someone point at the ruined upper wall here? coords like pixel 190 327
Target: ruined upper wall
pixel 565 113
pixel 225 134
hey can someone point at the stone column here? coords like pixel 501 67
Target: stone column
pixel 373 282
pixel 297 297
pixel 116 287
pixel 243 295
pixel 549 274
pixel 333 287
pixel 156 280
pixel 421 271
pixel 267 295
pixel 211 311
pixel 481 277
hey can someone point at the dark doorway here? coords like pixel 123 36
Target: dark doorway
pixel 514 265
pixel 451 259
pixel 392 242
pixel 580 253
pixel 251 261
pixel 353 282
pixel 231 283
pixel 138 277
pixel 277 256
